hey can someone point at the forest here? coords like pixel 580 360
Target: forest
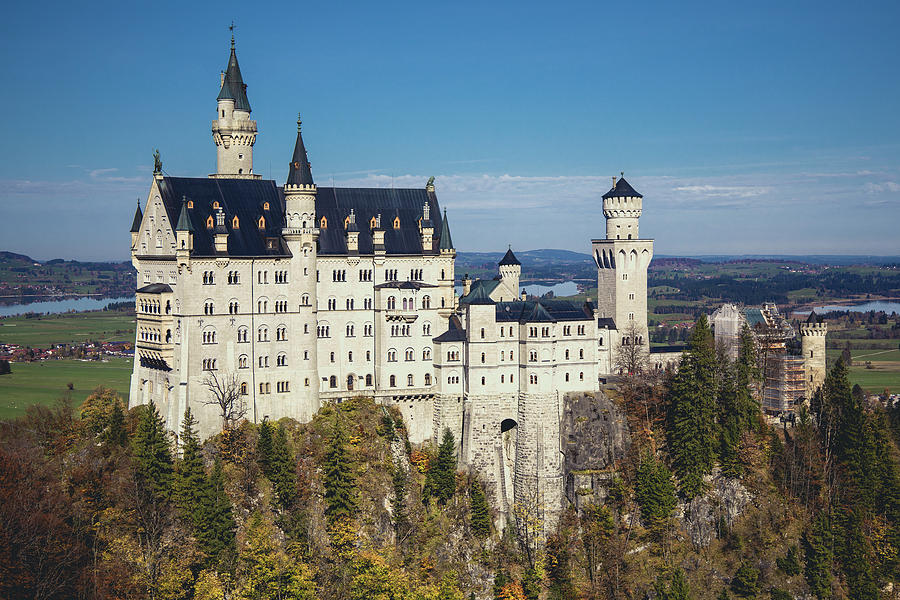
pixel 98 501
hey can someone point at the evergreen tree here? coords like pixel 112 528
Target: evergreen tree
pixel 817 546
pixel 747 375
pixel 339 484
pixel 672 587
pixel 692 403
pixel 730 425
pixel 190 477
pixel 116 433
pixel 214 521
pixel 560 586
pixel 150 449
pixel 790 562
pixel 264 448
pixel 398 501
pixel 440 481
pixel 481 519
pixel 531 583
pixel 854 553
pixel 654 491
pixel 283 469
pixel 745 581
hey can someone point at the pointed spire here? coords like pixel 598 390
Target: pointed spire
pixel 184 220
pixel 300 172
pixel 138 217
pixel 233 86
pixel 446 242
pixel 621 189
pixel 509 258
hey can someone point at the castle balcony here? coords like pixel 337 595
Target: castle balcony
pixel 401 316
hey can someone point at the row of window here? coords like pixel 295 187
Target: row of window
pixel 152 307
pixel 409 354
pixel 154 335
pixel 340 275
pixel 234 277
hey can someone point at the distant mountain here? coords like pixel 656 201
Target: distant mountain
pixel 12 257
pixel 528 258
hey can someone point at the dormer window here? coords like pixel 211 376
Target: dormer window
pixel 372 223
pixel 209 222
pixel 262 223
pixel 235 224
pixel 396 222
pixel 265 206
pixel 323 223
pixel 216 205
pixel 346 222
pixel 190 204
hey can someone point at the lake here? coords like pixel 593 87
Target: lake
pixel 875 305
pixel 60 306
pixel 567 288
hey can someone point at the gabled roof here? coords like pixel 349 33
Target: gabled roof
pixel 233 87
pixel 622 189
pixel 241 198
pixel 606 323
pixel 813 317
pixel 544 311
pixel 405 204
pixel 300 172
pixel 138 217
pixel 509 258
pixel 454 333
pixel 480 289
pixel 446 242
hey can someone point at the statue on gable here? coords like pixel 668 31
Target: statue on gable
pixel 157 162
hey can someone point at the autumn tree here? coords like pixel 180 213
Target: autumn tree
pixel 225 394
pixel 268 570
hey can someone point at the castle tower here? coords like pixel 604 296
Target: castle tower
pixel 301 236
pixel 622 259
pixel 812 339
pixel 233 131
pixel 510 272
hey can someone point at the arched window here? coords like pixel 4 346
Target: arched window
pixel 567 355
pixel 281 360
pixel 265 206
pixel 190 204
pixel 262 222
pixel 242 334
pixel 209 222
pixel 427 379
pixel 426 302
pixel 262 334
pixel 581 354
pixel 216 205
pixel 235 223
pixel 482 381
pixel 369 380
pixel 482 358
pixel 372 224
pixel 393 381
pixel 396 222
pixel 410 354
pixel 426 354
pixel 243 388
pixel 243 361
pixel 409 380
pixel 391 303
pixel 392 355
pixel 323 223
pixel 332 381
pixel 482 333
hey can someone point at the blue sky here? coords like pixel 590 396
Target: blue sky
pixel 765 127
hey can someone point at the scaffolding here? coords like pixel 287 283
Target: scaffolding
pixel 785 384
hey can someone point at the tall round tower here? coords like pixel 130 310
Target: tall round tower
pixel 233 131
pixel 622 209
pixel 812 339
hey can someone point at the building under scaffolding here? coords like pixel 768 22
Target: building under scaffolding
pixel 785 383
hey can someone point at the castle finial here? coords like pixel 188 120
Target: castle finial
pixel 622 173
pixel 299 122
pixel 231 29
pixel 429 186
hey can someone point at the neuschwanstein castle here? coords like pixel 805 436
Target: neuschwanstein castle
pixel 302 294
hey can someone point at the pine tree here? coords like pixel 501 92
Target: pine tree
pixel 817 546
pixel 150 448
pixel 440 481
pixel 672 587
pixel 283 469
pixel 654 491
pixel 339 484
pixel 745 581
pixel 854 553
pixel 747 375
pixel 214 522
pixel 398 500
pixel 481 519
pixel 692 402
pixel 264 448
pixel 730 425
pixel 116 434
pixel 190 477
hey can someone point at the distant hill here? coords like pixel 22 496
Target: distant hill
pixel 537 258
pixel 12 257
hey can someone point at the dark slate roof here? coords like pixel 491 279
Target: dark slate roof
pixel 234 88
pixel 300 172
pixel 243 198
pixel 480 288
pixel 446 242
pixel 455 332
pixel 184 220
pixel 155 288
pixel 622 189
pixel 813 317
pixel 606 322
pixel 544 311
pixel 405 285
pixel 335 203
pixel 138 217
pixel 754 317
pixel 509 258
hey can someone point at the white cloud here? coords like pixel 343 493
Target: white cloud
pixel 886 186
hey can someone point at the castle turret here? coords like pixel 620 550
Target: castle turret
pixel 812 339
pixel 622 260
pixel 301 236
pixel 184 234
pixel 510 273
pixel 233 131
pixel 136 225
pixel 426 229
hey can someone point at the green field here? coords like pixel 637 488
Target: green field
pixel 45 382
pixel 67 328
pixel 885 371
